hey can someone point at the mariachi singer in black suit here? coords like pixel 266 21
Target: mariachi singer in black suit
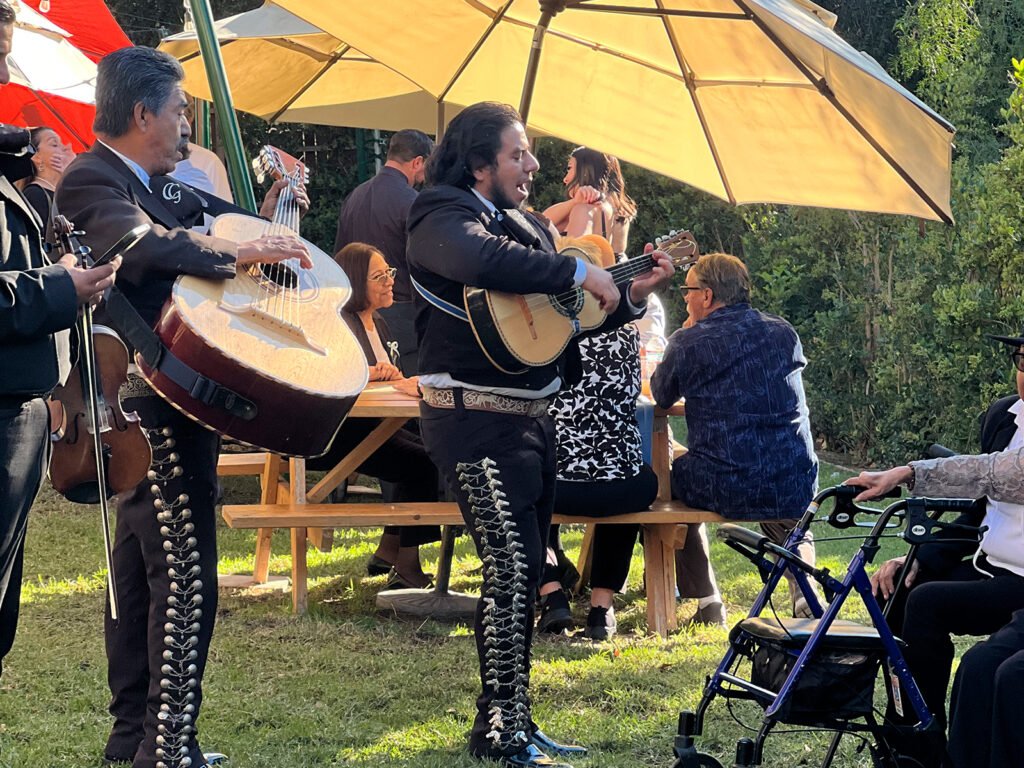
pixel 39 302
pixel 489 431
pixel 165 552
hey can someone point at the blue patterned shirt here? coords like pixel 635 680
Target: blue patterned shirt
pixel 750 455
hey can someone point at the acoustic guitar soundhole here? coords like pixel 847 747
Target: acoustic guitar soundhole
pixel 275 275
pixel 568 304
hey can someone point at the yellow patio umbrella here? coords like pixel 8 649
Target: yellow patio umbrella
pixel 284 69
pixel 750 100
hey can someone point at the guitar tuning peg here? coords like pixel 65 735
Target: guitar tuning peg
pixel 673 233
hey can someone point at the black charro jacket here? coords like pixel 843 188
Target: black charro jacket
pixel 103 197
pixel 453 242
pixel 38 304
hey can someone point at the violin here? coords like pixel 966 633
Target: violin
pixel 99 450
pixel 123 446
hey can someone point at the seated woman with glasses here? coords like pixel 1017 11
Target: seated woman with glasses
pixel 401 464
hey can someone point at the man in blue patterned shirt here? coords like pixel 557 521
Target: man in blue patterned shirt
pixel 749 437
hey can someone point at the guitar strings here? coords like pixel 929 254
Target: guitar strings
pixel 627 270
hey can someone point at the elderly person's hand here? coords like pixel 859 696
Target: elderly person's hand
pixel 876 484
pixel 410 386
pixel 883 581
pixel 384 372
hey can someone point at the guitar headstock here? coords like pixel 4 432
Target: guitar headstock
pixel 680 246
pixel 278 164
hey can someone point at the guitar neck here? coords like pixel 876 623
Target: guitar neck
pixel 287 211
pixel 627 270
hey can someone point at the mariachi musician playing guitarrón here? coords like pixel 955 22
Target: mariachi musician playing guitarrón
pixel 487 430
pixel 165 552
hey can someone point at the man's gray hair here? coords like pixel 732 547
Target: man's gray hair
pixel 726 276
pixel 127 77
pixel 7 15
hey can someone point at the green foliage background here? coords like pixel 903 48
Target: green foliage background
pixel 893 313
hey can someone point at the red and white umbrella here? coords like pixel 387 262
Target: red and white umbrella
pixel 53 82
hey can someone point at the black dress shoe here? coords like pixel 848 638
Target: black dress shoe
pixel 555 614
pixel 377 566
pixel 529 757
pixel 397 581
pixel 600 623
pixel 541 739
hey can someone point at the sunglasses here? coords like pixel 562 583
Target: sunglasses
pixel 1018 360
pixel 387 274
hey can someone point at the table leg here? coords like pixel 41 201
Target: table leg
pixel 300 585
pixel 660 568
pixel 437 603
pixel 269 490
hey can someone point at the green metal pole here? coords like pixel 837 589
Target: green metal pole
pixel 227 122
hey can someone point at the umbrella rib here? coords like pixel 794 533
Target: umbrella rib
pixel 498 16
pixel 55 113
pixel 827 93
pixel 691 87
pixel 583 5
pixel 334 58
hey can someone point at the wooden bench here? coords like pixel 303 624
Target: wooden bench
pixel 659 526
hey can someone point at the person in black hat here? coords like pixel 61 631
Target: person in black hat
pixel 962 586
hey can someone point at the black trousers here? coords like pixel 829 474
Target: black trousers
pixel 613 544
pixel 964 602
pixel 402 464
pixel 986 708
pixel 501 469
pixel 24 454
pixel 165 558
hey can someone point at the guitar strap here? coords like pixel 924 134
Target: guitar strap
pixel 436 301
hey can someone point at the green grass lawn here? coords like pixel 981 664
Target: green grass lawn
pixel 343 686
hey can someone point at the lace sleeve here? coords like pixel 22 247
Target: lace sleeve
pixel 1000 476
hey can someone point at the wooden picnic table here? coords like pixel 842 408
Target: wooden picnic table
pixel 289 504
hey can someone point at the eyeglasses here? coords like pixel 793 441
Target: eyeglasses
pixel 387 274
pixel 1018 360
pixel 685 288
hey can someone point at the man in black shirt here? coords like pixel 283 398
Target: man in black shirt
pixel 376 213
pixel 39 301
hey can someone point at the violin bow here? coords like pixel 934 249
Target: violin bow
pixel 67 242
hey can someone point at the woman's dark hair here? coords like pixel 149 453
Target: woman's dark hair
pixel 35 135
pixel 471 142
pixel 128 76
pixel 603 173
pixel 354 259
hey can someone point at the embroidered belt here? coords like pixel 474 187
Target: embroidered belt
pixel 135 386
pixel 474 400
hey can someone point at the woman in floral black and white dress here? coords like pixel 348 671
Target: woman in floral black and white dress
pixel 601 472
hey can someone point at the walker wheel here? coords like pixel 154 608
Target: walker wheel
pixel 707 761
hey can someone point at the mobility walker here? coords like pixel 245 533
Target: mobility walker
pixel 820 673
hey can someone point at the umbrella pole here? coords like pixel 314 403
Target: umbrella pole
pixel 549 9
pixel 227 121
